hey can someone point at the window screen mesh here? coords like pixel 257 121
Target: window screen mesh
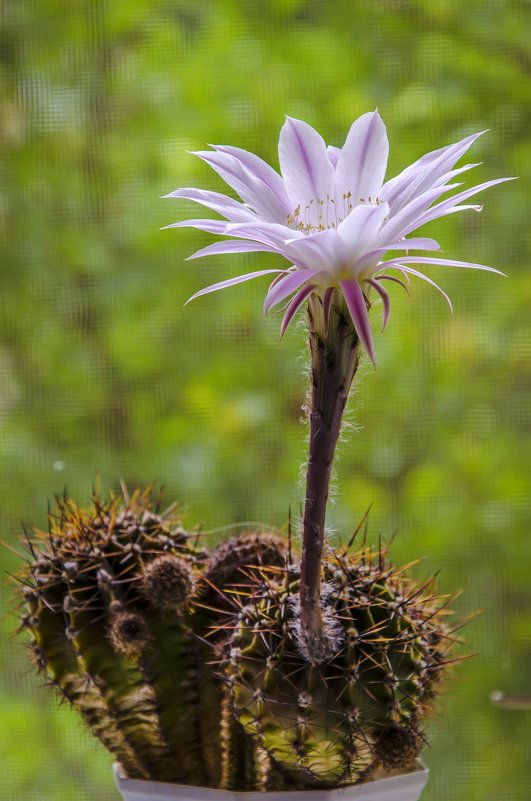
pixel 103 374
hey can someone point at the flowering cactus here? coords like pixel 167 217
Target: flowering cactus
pixel 332 216
pixel 244 666
pixel 188 663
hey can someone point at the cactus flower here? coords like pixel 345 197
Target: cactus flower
pixel 332 216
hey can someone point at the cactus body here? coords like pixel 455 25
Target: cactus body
pixel 189 664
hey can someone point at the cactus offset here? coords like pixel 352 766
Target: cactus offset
pixel 103 639
pixel 336 721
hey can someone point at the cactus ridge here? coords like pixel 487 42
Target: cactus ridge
pixel 189 665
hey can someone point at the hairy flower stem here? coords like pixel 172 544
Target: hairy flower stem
pixel 334 360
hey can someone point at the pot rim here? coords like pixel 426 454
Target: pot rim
pixel 165 790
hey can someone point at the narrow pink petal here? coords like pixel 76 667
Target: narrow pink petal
pixel 211 226
pixel 260 169
pixel 294 306
pixel 268 233
pixel 232 209
pixel 448 176
pixel 385 300
pixel 445 207
pixel 327 305
pixel 407 218
pixel 424 173
pixel 439 262
pixel 362 162
pixel 258 195
pixel 231 282
pixel 411 271
pixel 286 286
pixel 357 307
pixel 232 246
pixel 391 278
pixel 415 243
pixel 305 166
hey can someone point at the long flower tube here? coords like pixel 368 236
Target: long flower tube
pixel 344 232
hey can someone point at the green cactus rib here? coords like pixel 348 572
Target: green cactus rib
pixel 173 672
pixel 55 654
pixel 129 697
pixel 327 723
pixel 240 770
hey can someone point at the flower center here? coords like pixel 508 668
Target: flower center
pixel 323 215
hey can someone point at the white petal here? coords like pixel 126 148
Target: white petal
pixel 231 282
pixel 322 251
pixel 362 162
pixel 232 209
pixel 359 229
pixel 261 170
pixel 253 191
pixel 211 226
pixel 451 204
pixel 232 246
pixel 306 168
pixel 424 173
pixel 269 233
pixel 439 262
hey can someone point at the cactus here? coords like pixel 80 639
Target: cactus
pixel 189 664
pixel 107 599
pixel 337 720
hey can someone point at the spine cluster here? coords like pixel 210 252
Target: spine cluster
pixel 189 663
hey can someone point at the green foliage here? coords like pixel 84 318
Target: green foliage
pixel 103 371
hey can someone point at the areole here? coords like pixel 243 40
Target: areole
pixel 397 787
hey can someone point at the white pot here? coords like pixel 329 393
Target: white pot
pixel 400 787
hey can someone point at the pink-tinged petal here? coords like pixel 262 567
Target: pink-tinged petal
pixel 261 170
pixel 415 243
pixel 333 154
pixel 424 173
pixel 406 220
pixel 327 305
pixel 231 282
pixel 362 163
pixel 450 205
pixel 322 251
pixel 438 262
pixel 251 189
pixel 411 271
pixel 232 209
pixel 232 246
pixel 210 226
pixel 385 300
pixel 448 176
pixel 306 167
pixel 355 300
pixel 286 286
pixel 294 306
pixel 359 229
pixel 269 233
pixel 393 279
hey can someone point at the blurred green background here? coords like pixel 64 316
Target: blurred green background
pixel 103 371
